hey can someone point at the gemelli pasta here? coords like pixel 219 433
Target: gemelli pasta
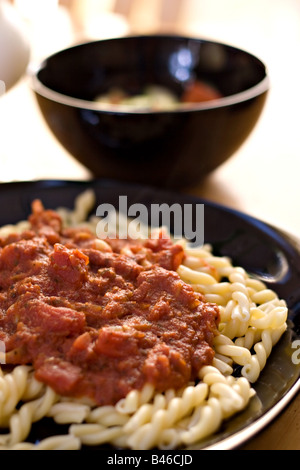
pixel 252 320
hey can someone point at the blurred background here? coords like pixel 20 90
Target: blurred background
pixel 261 178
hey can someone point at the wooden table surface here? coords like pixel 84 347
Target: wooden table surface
pixel 261 179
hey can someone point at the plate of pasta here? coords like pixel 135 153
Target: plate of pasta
pixel 146 342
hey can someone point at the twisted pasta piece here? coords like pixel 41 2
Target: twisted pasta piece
pixel 195 277
pixel 68 412
pixel 227 396
pixel 209 418
pixel 12 388
pixel 225 346
pixel 21 420
pixel 135 399
pixel 82 206
pixel 273 320
pixel 6 230
pixel 263 349
pixel 95 434
pixel 251 337
pixel 107 416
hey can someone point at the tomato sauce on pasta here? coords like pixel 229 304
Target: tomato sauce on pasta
pixel 100 318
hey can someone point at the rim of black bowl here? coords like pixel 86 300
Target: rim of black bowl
pixel 230 100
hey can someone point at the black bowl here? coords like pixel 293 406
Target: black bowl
pixel 170 148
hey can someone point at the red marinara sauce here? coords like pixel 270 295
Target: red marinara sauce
pixel 100 319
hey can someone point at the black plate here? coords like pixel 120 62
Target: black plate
pixel 262 250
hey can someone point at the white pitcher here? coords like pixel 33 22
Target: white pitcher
pixel 14 45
